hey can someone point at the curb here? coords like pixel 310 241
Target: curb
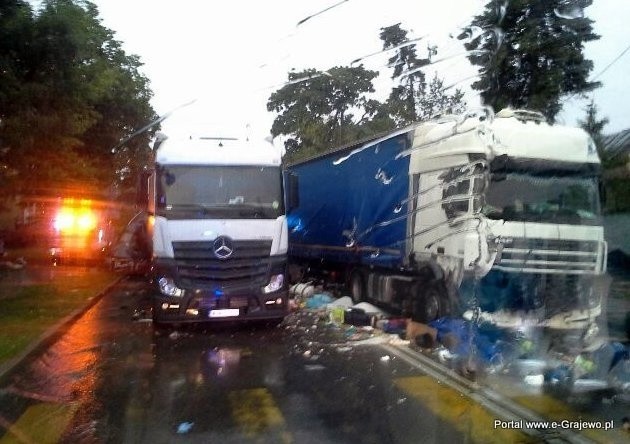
pixel 47 338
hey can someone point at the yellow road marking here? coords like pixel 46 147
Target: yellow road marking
pixel 41 423
pixel 257 413
pixel 469 418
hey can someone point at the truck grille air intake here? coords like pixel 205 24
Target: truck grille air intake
pixel 247 265
pixel 551 256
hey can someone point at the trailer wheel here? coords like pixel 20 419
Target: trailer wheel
pixel 357 287
pixel 431 302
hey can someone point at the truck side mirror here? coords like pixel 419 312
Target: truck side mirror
pixel 293 193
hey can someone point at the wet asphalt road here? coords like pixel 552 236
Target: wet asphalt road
pixel 113 378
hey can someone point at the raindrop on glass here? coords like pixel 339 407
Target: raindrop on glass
pixel 569 12
pixel 382 176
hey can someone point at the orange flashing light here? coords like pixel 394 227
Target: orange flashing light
pixel 71 220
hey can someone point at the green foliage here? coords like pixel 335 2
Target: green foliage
pixel 617 198
pixel 319 110
pixel 68 94
pixel 530 53
pixel 402 100
pixel 594 127
pixel 615 180
pixel 413 99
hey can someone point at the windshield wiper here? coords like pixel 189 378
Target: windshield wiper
pixel 190 206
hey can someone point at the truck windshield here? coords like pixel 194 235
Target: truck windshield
pixel 546 199
pixel 225 192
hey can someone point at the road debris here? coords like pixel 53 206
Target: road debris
pixel 185 427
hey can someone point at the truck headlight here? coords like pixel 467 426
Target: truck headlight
pixel 275 283
pixel 168 287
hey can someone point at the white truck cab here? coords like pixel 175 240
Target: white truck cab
pixel 217 230
pixel 518 205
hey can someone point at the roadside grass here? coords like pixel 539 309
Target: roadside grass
pixel 28 310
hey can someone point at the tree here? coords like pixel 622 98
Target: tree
pixel 75 94
pixel 593 125
pixel 402 99
pixel 15 32
pixel 319 109
pixel 413 99
pixel 435 101
pixel 530 53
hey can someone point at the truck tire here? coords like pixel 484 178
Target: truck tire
pixel 430 302
pixel 357 287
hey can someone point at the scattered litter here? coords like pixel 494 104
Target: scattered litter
pixel 358 317
pixel 369 308
pixel 175 335
pixel 524 367
pixel 185 427
pixel 345 302
pixel 16 264
pixel 397 340
pixel 352 331
pixel 314 367
pixel 303 290
pixel 293 305
pixel 444 355
pixel 396 326
pixel 535 380
pixel 560 375
pixel 336 315
pixel 602 367
pixel 318 300
pixel 588 385
pixel 619 376
pixel 380 339
pixel 141 316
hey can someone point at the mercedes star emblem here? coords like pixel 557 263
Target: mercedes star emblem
pixel 223 247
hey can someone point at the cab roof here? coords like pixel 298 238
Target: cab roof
pixel 199 150
pixel 516 133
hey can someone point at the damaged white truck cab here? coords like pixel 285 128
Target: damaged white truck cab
pixel 217 230
pixel 483 215
pixel 519 205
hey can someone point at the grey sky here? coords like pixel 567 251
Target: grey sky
pixel 230 56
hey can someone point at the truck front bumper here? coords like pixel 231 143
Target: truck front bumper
pixel 202 307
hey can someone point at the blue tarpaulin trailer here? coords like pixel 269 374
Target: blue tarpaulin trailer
pixel 488 215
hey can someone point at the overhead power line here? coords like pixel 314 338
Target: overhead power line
pixel 612 63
